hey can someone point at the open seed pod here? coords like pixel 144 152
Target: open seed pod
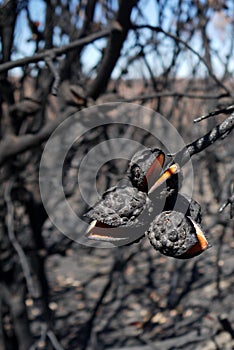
pixel 147 173
pixel 176 235
pixel 145 166
pixel 120 215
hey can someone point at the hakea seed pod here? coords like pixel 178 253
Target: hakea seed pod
pixel 176 235
pixel 120 209
pixel 151 206
pixel 146 170
pixel 145 166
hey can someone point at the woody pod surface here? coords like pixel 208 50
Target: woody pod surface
pixel 150 206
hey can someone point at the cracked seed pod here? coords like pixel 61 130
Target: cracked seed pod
pixel 124 208
pixel 176 235
pixel 145 166
pixel 146 174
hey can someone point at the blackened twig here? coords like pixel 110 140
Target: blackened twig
pixel 54 71
pixel 54 340
pixel 17 144
pixel 221 130
pixel 13 145
pixel 185 44
pixel 176 94
pixel 116 269
pixel 42 338
pixel 58 51
pixel 218 259
pixel 225 110
pixel 13 239
pixel 229 201
pixel 52 337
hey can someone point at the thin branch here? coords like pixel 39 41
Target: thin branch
pixel 116 269
pixel 56 75
pixel 14 145
pixel 13 239
pixel 54 340
pixel 181 341
pixel 24 263
pixel 56 51
pixel 185 44
pixel 113 48
pixel 4 5
pixel 42 338
pixel 225 110
pixel 52 337
pixel 220 131
pixel 175 94
pixel 229 201
pixel 218 259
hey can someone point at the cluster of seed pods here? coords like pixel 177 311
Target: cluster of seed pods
pixel 150 206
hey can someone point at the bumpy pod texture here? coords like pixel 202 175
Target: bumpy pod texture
pixel 172 234
pixel 121 206
pixel 153 207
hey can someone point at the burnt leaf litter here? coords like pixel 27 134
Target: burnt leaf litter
pixel 150 205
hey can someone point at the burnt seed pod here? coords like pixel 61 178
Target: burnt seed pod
pixel 120 206
pixel 144 166
pixel 121 217
pixel 176 235
pixel 124 214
